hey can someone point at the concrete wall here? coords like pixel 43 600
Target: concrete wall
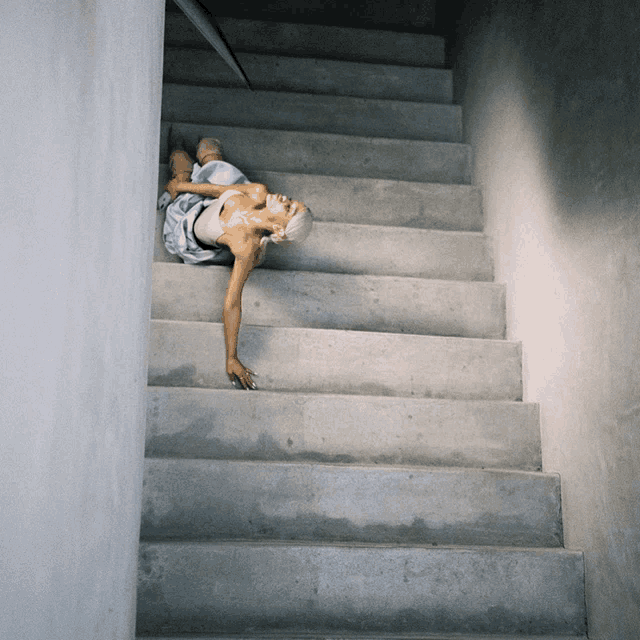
pixel 551 93
pixel 80 112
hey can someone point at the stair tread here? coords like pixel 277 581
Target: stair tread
pixel 376 202
pixel 377 141
pixel 346 277
pixel 481 549
pixel 387 118
pixel 359 249
pixel 359 335
pixel 283 425
pixel 320 76
pixel 338 361
pixel 382 587
pixel 295 39
pixel 362 183
pixel 337 634
pixel 333 301
pixel 363 467
pixel 475 402
pixel 187 499
pixel 328 153
pixel 340 227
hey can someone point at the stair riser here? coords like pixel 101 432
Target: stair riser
pixel 226 424
pixel 227 587
pixel 306 112
pixel 332 247
pixel 367 636
pixel 201 499
pixel 375 202
pixel 191 354
pixel 329 154
pixel 358 45
pixel 326 301
pixel 204 67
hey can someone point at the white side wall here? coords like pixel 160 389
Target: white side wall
pixel 551 95
pixel 80 109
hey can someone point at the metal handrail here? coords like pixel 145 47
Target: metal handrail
pixel 206 24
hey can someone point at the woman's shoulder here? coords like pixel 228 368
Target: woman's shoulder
pixel 248 195
pixel 243 241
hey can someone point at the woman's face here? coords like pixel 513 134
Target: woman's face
pixel 279 204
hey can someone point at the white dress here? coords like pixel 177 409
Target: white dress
pixel 182 213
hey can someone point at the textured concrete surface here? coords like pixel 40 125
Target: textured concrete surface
pixel 308 112
pixel 342 635
pixel 447 207
pixel 336 247
pixel 213 499
pixel 332 301
pixel 81 118
pixel 234 586
pixel 228 424
pixel 548 98
pixel 328 153
pixel 357 45
pixel 191 354
pixel 310 75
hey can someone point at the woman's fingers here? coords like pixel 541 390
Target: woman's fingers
pixel 244 381
pixel 240 375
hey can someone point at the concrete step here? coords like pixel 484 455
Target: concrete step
pixel 242 587
pixel 191 354
pixel 333 301
pixel 221 499
pixel 313 41
pixel 308 112
pixel 335 247
pixel 328 154
pixel 204 67
pixel 397 203
pixel 408 15
pixel 227 424
pixel 341 635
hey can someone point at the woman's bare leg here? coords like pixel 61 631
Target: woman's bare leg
pixel 181 167
pixel 208 149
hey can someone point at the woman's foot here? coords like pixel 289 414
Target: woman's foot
pixel 181 167
pixel 209 149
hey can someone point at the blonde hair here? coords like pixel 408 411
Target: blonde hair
pixel 297 229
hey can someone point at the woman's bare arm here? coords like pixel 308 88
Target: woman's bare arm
pixel 256 191
pixel 245 260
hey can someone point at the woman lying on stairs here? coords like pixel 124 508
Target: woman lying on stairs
pixel 216 216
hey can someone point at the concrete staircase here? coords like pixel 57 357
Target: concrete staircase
pixel 385 481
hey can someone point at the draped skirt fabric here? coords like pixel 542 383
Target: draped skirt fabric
pixel 183 212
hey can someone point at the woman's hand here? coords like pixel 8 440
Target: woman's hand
pixel 237 371
pixel 171 188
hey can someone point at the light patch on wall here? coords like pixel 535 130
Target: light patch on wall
pixel 517 184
